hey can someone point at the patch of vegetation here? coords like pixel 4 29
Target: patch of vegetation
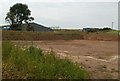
pixel 67 29
pixel 113 70
pixel 102 68
pixel 67 39
pixel 113 32
pixel 59 34
pixel 102 30
pixel 98 30
pixel 32 63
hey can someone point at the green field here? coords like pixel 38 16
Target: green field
pixel 113 32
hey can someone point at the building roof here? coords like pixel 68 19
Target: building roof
pixel 36 27
pixel 32 27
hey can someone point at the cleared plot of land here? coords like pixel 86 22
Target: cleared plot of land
pixel 100 58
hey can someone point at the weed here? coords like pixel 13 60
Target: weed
pixel 113 70
pixel 67 39
pixel 32 63
pixel 102 68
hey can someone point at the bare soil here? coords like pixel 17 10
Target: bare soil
pixel 57 35
pixel 99 58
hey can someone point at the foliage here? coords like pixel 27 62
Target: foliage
pixel 93 30
pixel 113 32
pixel 106 29
pixel 32 63
pixel 18 14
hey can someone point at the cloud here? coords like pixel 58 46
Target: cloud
pixel 69 14
pixel 75 14
pixel 60 1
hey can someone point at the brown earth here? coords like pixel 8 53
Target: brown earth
pixel 99 58
pixel 103 37
pixel 58 35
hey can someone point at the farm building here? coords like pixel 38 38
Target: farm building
pixel 35 27
pixel 5 27
pixel 32 27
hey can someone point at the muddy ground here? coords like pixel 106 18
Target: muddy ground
pixel 99 58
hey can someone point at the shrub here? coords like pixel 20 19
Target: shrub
pixel 106 29
pixel 32 63
pixel 92 30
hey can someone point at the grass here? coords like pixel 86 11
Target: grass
pixel 67 29
pixel 32 63
pixel 66 39
pixel 112 32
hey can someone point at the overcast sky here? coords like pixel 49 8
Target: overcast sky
pixel 68 13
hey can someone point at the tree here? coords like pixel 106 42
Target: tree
pixel 18 14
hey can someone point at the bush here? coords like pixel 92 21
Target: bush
pixel 104 29
pixel 93 30
pixel 32 63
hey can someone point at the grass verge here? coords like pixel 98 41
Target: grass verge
pixel 31 63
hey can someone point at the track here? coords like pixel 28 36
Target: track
pixel 89 57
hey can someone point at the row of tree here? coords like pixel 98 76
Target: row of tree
pixel 98 29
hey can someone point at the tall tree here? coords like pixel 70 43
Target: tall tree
pixel 18 14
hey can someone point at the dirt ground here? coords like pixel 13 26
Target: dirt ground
pixel 99 58
pixel 57 35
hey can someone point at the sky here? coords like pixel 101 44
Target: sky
pixel 68 14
